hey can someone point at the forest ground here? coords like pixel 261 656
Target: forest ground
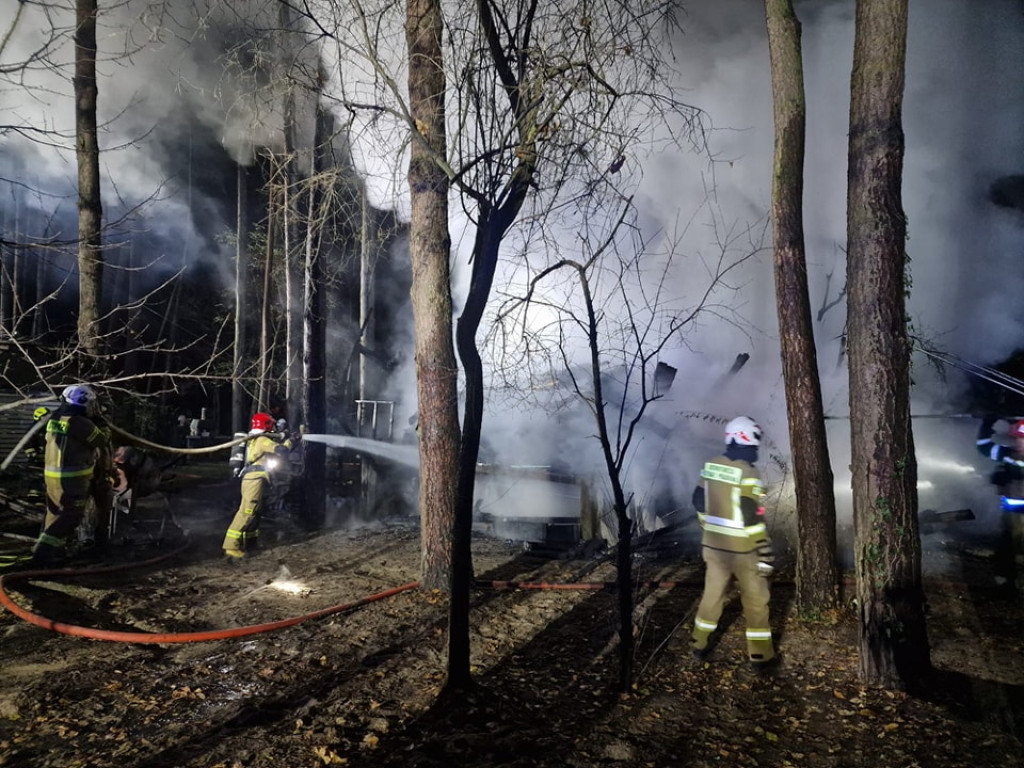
pixel 359 686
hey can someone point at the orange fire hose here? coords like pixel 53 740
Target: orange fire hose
pixel 167 637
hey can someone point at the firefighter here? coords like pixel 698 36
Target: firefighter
pixel 1008 477
pixel 729 502
pixel 77 441
pixel 262 452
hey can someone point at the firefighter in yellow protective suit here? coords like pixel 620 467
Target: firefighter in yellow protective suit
pixel 735 543
pixel 76 442
pixel 261 452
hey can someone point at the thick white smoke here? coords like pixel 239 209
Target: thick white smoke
pixel 171 110
pixel 962 113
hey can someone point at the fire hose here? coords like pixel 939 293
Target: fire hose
pixel 165 637
pixel 143 443
pixel 128 438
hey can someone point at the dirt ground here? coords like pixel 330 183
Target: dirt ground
pixel 359 685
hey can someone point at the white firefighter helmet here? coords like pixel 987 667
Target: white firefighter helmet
pixel 79 394
pixel 743 430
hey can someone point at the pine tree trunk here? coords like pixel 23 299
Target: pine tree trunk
pixel 887 548
pixel 314 367
pixel 294 385
pixel 817 576
pixel 90 211
pixel 239 409
pixel 429 247
pixel 263 396
pixel 8 254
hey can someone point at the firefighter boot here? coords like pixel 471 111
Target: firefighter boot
pixel 700 647
pixel 47 555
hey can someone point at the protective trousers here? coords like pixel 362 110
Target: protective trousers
pixel 244 530
pixel 66 501
pixel 754 596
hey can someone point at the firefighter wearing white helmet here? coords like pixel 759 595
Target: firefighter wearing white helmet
pixel 730 506
pixel 76 443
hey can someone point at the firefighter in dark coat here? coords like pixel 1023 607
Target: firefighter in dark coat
pixel 262 453
pixel 735 544
pixel 1008 477
pixel 77 448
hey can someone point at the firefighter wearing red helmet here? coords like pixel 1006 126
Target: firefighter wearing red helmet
pixel 1008 477
pixel 261 453
pixel 730 506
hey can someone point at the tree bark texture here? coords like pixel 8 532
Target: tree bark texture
pixel 239 403
pixel 624 532
pixel 87 151
pixel 894 649
pixel 294 267
pixel 266 299
pixel 314 357
pixel 817 575
pixel 429 249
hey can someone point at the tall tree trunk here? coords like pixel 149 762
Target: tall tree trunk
pixel 292 263
pixel 429 249
pixel 887 549
pixel 7 260
pixel 87 151
pixel 263 399
pixel 134 325
pixel 294 298
pixel 817 575
pixel 314 369
pixel 41 277
pixel 613 466
pixel 239 404
pixel 367 251
pixel 496 214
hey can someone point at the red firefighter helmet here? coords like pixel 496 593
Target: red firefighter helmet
pixel 1017 430
pixel 262 422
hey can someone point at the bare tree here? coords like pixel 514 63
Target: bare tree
pixel 587 337
pixel 817 574
pixel 537 94
pixel 99 327
pixel 575 90
pixel 893 641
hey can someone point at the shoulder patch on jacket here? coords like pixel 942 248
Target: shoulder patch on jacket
pixel 722 473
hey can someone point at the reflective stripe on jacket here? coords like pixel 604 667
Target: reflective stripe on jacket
pixel 255 451
pixel 733 506
pixel 72 441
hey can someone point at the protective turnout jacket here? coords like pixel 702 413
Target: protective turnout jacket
pixel 257 475
pixel 257 451
pixel 72 443
pixel 730 507
pixel 1009 474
